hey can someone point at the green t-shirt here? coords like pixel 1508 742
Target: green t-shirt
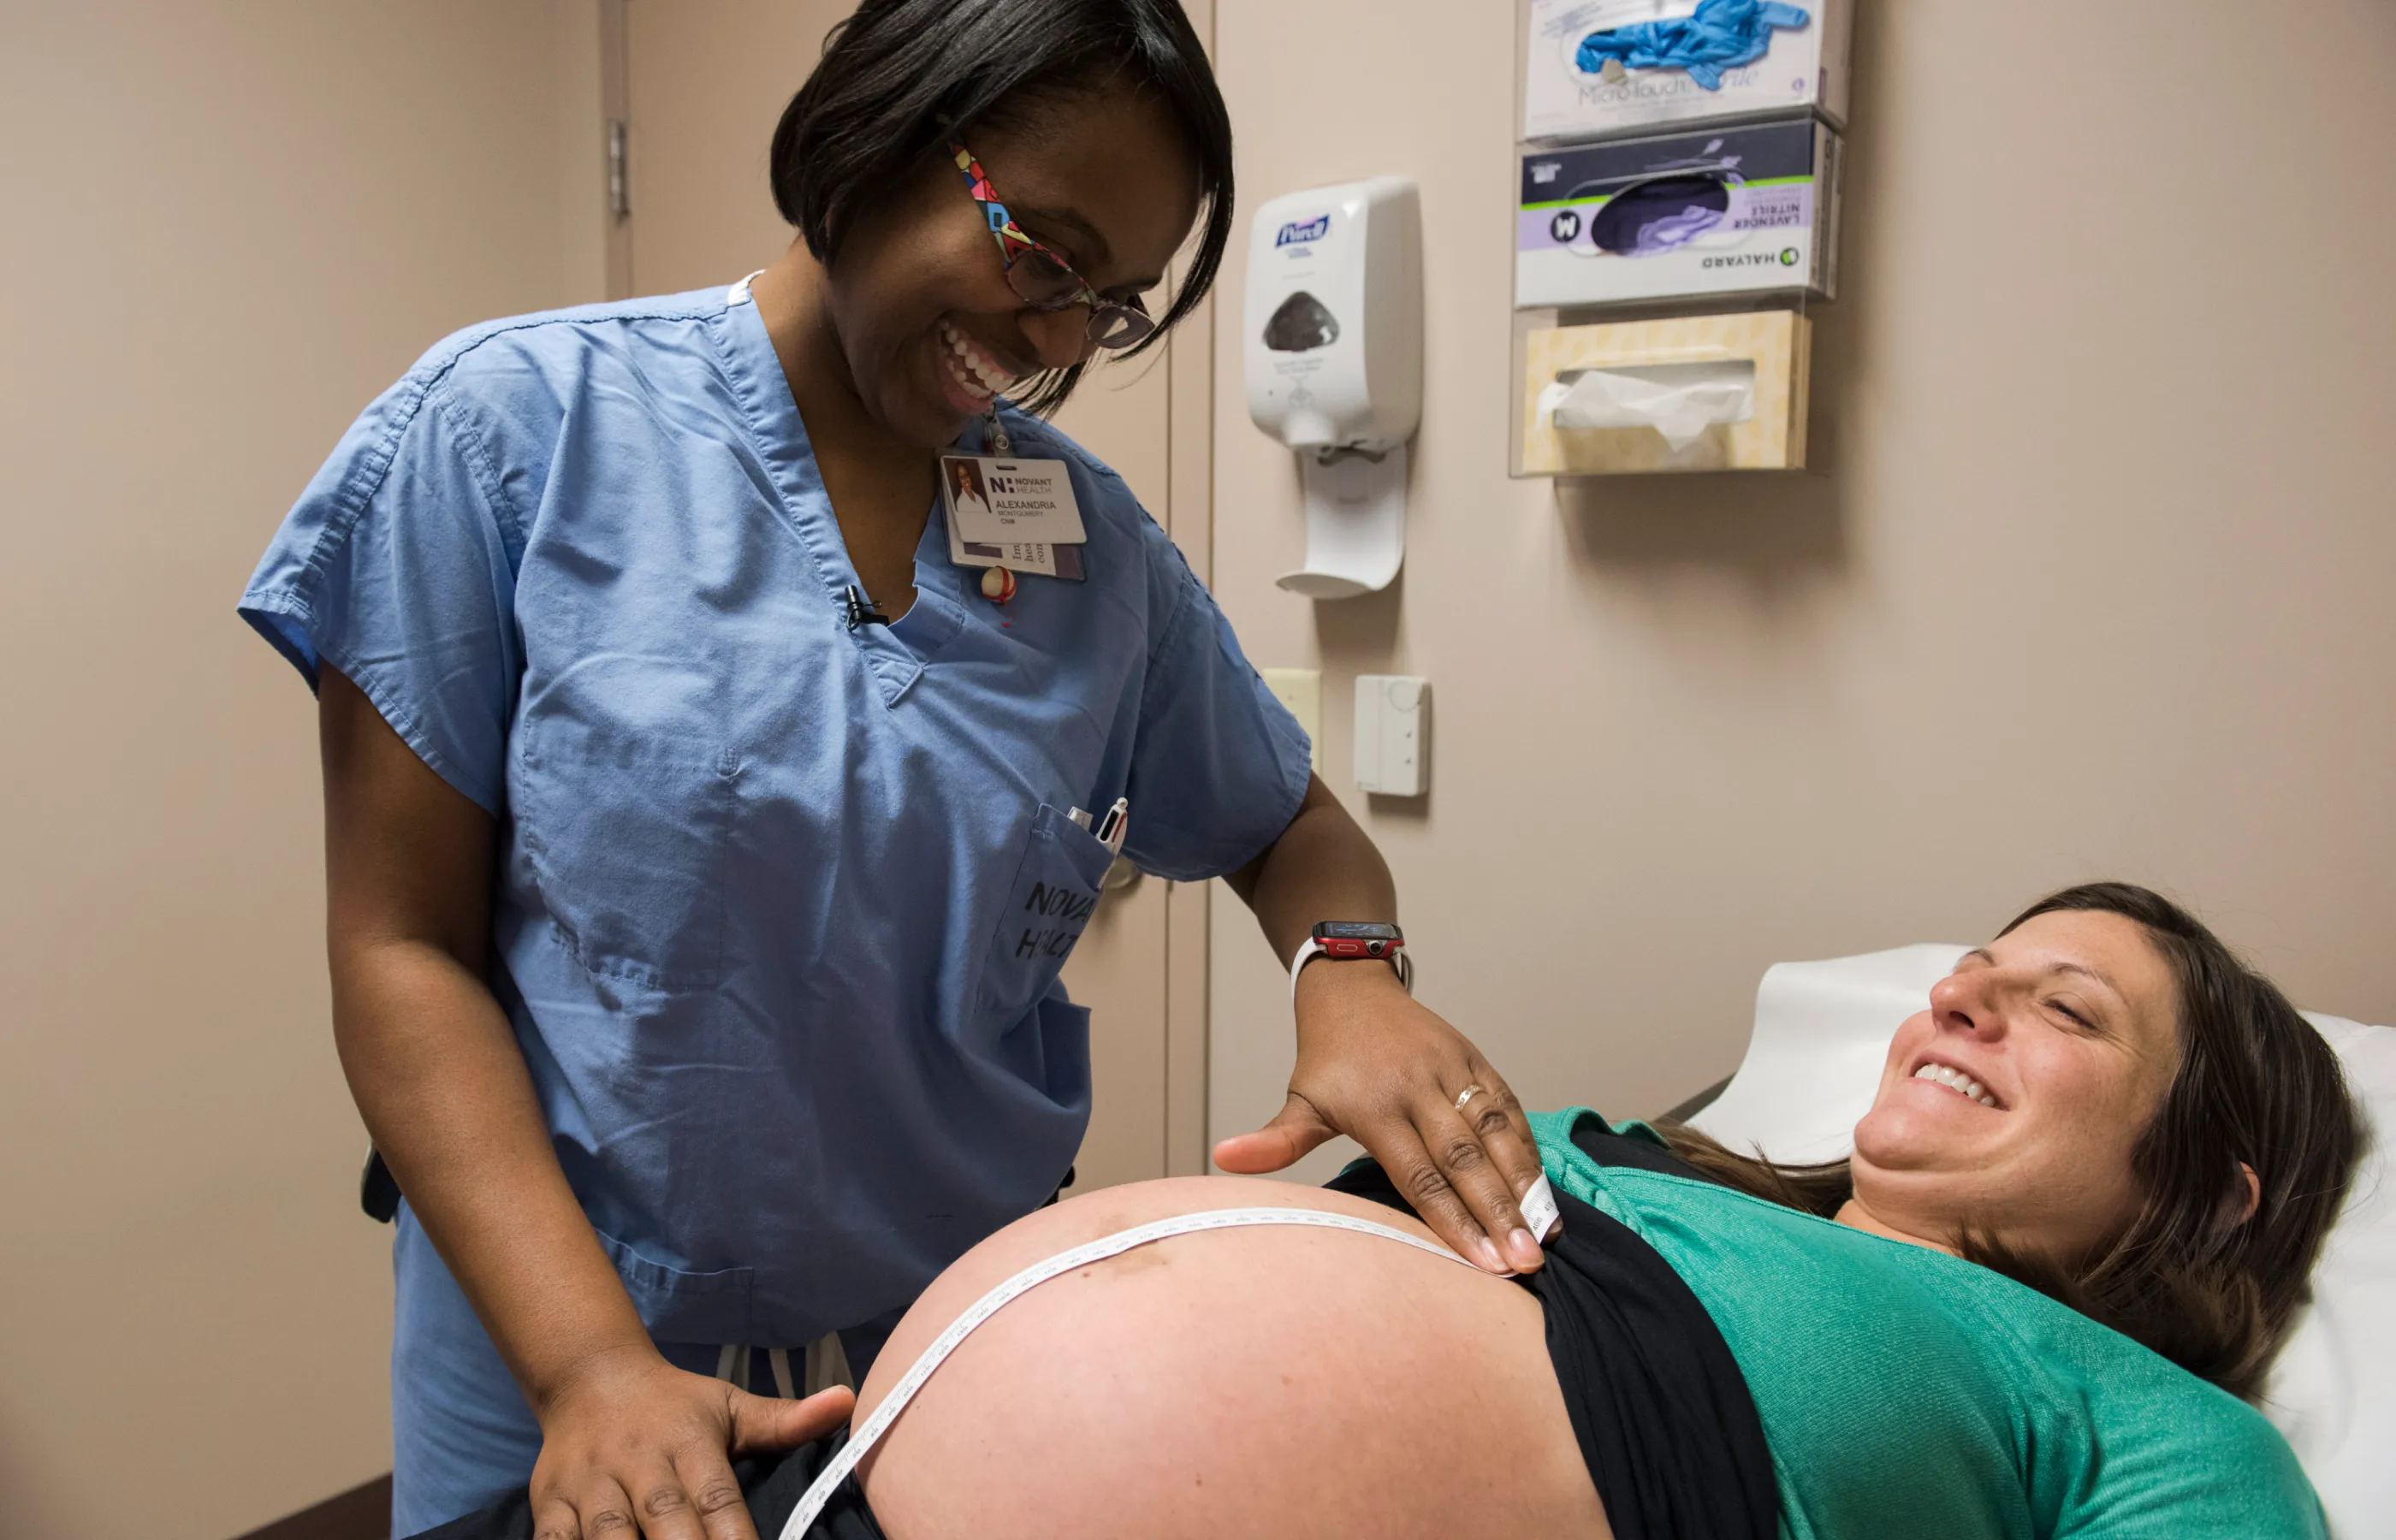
pixel 1906 1392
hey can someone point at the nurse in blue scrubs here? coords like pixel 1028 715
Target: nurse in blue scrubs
pixel 700 849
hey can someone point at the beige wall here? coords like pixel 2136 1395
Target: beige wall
pixel 2098 582
pixel 230 227
pixel 709 81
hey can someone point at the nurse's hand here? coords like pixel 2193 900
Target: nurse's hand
pixel 631 1445
pixel 1386 1072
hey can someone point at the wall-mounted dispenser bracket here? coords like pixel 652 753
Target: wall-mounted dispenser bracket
pixel 1355 522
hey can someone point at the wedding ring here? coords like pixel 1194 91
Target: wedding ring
pixel 1470 1092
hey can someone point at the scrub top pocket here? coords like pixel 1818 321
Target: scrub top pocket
pixel 628 834
pixel 679 1306
pixel 1055 891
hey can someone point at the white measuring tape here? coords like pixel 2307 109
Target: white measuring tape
pixel 1539 1206
pixel 1536 1203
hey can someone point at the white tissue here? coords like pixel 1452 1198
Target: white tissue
pixel 1679 400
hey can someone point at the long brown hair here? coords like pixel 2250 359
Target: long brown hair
pixel 2186 1277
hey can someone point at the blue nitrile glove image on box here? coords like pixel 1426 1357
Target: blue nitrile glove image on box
pixel 1723 34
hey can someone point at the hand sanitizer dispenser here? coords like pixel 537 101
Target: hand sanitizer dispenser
pixel 1334 364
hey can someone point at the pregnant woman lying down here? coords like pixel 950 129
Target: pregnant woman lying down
pixel 2079 1217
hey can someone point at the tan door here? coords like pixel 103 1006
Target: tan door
pixel 702 87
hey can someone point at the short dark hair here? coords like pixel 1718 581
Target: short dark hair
pixel 2255 1084
pixel 899 77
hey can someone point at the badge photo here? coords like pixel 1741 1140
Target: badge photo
pixel 998 501
pixel 965 493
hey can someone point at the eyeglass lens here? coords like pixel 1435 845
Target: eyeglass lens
pixel 1117 326
pixel 1045 284
pixel 1043 280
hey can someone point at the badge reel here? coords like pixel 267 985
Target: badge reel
pixel 1009 515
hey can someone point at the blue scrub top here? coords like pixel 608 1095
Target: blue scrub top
pixel 781 905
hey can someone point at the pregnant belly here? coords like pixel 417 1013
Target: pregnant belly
pixel 1233 1383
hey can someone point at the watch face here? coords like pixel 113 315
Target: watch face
pixel 1355 930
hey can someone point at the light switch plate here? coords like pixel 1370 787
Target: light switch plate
pixel 1393 735
pixel 1301 691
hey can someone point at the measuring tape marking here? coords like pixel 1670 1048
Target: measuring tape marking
pixel 1539 1206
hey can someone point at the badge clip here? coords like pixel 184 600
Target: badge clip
pixel 861 611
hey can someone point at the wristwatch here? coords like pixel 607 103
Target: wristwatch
pixel 1348 940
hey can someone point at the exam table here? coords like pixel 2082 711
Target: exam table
pixel 1813 1064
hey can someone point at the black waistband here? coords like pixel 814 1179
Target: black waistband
pixel 1658 1403
pixel 772 1485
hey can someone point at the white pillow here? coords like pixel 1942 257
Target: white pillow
pixel 1813 1066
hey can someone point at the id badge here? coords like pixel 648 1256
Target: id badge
pixel 999 500
pixel 1040 560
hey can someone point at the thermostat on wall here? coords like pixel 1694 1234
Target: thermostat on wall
pixel 1393 734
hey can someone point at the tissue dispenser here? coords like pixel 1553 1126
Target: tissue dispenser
pixel 1697 392
pixel 1333 356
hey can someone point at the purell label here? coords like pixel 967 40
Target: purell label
pixel 1299 231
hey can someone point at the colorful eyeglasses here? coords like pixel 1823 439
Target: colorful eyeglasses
pixel 1041 278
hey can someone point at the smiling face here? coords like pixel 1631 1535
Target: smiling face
pixel 926 321
pixel 2013 1104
